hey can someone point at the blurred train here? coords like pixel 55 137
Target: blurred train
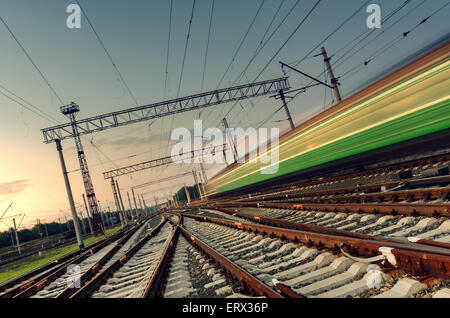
pixel 405 112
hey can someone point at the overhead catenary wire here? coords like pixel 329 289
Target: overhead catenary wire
pixel 287 40
pixel 333 32
pixel 259 47
pixel 241 43
pixel 184 60
pixel 366 33
pixel 31 60
pixel 207 46
pixel 258 51
pixel 378 52
pixel 28 108
pixel 206 52
pixel 392 43
pixel 305 18
pixel 167 64
pixel 108 55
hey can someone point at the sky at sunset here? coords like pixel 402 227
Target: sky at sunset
pixel 135 34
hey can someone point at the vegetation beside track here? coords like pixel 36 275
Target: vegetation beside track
pixel 12 270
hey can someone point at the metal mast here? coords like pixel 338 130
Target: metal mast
pixel 334 81
pixel 71 111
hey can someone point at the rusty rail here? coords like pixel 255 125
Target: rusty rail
pixel 368 172
pixel 319 229
pixel 95 282
pixel 250 283
pixel 394 196
pixel 94 269
pixel 418 259
pixel 413 209
pixel 154 287
pixel 52 270
pixel 296 225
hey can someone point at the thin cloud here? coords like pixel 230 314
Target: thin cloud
pixel 13 187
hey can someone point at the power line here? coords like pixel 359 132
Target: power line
pixel 36 110
pixel 207 45
pixel 287 40
pixel 260 49
pixel 260 46
pixel 332 33
pixel 184 60
pixel 242 42
pixel 387 18
pixel 167 65
pixel 31 60
pixel 168 48
pixel 108 55
pixel 186 48
pixel 392 43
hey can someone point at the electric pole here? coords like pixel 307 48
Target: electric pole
pixel 17 236
pixel 124 215
pixel 143 201
pixel 69 195
pixel 196 183
pixel 70 111
pixel 288 114
pixel 116 199
pixel 188 196
pixel 87 212
pixel 202 185
pixel 334 81
pixel 134 199
pixel 131 207
pixel 231 142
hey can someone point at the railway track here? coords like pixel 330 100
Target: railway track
pixel 60 288
pixel 127 276
pixel 191 268
pixel 50 279
pixel 295 269
pixel 370 179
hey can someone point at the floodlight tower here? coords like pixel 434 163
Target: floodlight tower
pixel 70 111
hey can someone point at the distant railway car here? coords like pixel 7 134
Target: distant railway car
pixel 411 102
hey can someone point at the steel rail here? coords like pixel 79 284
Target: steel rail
pixel 418 259
pixel 412 209
pixel 51 269
pixel 45 281
pixel 338 191
pixel 95 282
pixel 155 285
pixel 379 197
pixel 295 225
pixel 94 269
pixel 365 173
pixel 320 229
pixel 250 283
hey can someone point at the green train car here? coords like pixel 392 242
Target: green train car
pixel 409 103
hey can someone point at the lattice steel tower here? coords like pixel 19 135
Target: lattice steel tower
pixel 70 111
